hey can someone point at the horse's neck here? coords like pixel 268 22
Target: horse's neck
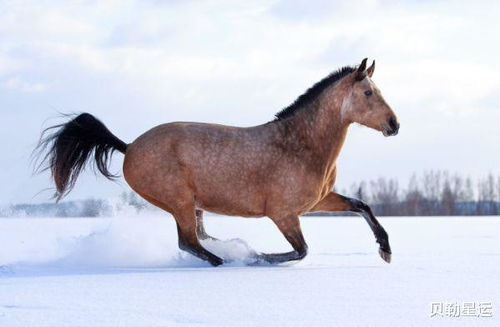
pixel 320 128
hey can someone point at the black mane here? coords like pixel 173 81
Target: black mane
pixel 313 92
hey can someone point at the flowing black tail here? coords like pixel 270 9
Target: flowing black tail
pixel 70 145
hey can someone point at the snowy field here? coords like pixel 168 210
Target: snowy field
pixel 127 271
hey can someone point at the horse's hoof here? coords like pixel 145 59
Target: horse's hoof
pixel 386 256
pixel 216 261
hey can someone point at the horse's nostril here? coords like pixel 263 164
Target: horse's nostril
pixel 392 123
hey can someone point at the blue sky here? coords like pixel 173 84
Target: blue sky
pixel 136 64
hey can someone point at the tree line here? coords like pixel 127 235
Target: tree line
pixel 432 193
pixel 127 203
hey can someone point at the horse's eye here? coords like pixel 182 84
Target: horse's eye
pixel 368 93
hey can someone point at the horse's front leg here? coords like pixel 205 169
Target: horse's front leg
pixel 336 202
pixel 290 227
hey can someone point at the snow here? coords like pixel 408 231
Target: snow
pixel 128 271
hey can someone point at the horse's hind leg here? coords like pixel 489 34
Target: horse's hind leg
pixel 200 227
pixel 188 239
pixel 290 227
pixel 186 229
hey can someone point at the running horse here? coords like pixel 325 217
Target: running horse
pixel 281 169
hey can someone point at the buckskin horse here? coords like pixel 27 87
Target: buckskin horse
pixel 281 169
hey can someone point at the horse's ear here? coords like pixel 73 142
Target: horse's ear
pixel 371 69
pixel 360 73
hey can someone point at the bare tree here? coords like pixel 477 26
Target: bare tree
pixel 414 199
pixel 448 200
pixel 432 191
pixel 385 193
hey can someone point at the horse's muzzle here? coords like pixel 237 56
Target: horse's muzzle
pixel 393 127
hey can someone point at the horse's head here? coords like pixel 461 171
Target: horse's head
pixel 365 105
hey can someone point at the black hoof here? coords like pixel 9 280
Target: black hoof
pixel 276 258
pixel 216 261
pixel 385 255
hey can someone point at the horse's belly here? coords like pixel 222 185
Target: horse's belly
pixel 232 211
pixel 231 202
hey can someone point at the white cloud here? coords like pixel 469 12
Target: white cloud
pixel 15 83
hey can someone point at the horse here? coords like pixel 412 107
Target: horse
pixel 281 169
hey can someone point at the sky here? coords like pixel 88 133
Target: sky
pixel 136 64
